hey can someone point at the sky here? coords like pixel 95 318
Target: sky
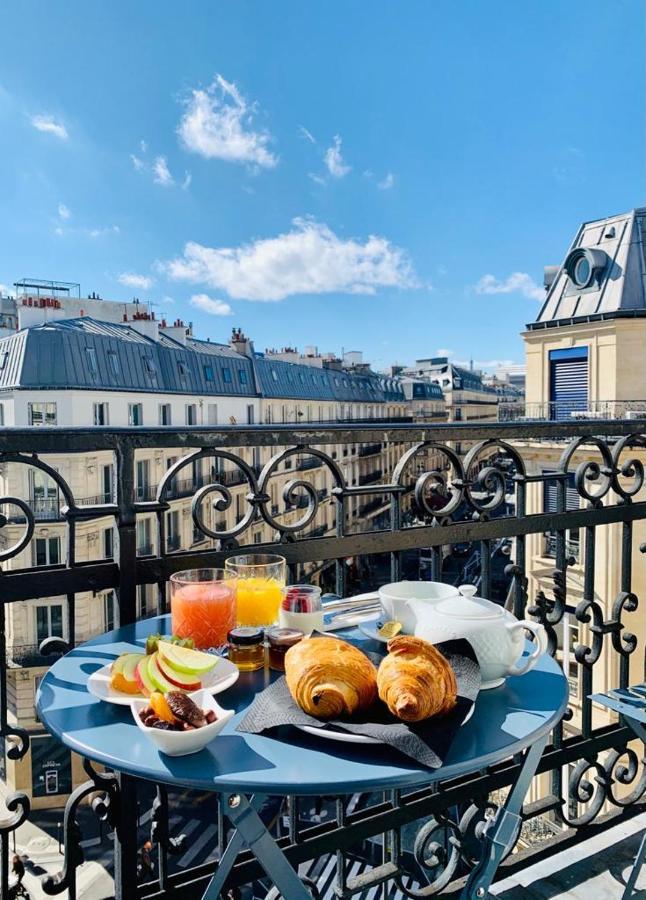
pixel 387 177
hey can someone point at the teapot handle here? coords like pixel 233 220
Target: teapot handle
pixel 525 663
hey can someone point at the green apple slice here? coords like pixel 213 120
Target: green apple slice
pixel 189 662
pixel 145 682
pixel 179 680
pixel 161 683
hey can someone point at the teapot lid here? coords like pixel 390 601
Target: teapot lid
pixel 467 606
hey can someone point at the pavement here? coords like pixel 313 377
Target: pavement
pixel 596 869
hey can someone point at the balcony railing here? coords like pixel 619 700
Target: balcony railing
pixel 371 477
pixel 369 449
pixel 561 411
pixel 310 462
pixel 591 776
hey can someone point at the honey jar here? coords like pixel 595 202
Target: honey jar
pixel 247 648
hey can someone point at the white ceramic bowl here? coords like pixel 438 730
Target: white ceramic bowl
pixel 182 743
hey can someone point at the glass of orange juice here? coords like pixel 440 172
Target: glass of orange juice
pixel 260 583
pixel 203 606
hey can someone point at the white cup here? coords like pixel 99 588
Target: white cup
pixel 394 599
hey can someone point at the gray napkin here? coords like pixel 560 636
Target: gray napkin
pixel 426 742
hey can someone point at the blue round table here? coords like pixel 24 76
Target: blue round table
pixel 513 718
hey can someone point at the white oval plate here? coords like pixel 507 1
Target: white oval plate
pixel 348 738
pixel 218 679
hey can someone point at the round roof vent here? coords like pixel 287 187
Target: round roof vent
pixel 585 265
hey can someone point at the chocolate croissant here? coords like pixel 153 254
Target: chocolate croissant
pixel 329 678
pixel 415 681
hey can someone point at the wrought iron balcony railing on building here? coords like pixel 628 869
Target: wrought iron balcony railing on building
pixel 369 449
pixel 591 777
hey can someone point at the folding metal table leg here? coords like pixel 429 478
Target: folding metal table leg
pixel 252 833
pixel 501 832
pixel 634 872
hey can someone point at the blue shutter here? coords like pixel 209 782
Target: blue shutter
pixel 568 381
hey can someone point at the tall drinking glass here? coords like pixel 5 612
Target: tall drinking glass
pixel 203 605
pixel 260 582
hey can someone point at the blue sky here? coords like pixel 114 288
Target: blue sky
pixel 389 177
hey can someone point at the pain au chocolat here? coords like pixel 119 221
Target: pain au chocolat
pixel 415 681
pixel 330 678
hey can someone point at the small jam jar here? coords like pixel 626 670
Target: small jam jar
pixel 279 640
pixel 247 648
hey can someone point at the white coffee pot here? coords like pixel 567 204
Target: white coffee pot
pixel 497 636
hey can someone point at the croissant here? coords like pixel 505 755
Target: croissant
pixel 329 678
pixel 415 681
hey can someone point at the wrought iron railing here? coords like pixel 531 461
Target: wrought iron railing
pixel 437 497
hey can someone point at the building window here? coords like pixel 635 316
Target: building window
pixel 109 610
pixel 143 479
pixel 242 375
pixel 149 365
pixel 1 414
pixel 164 414
pixel 3 360
pixel 173 536
pixel 101 414
pixel 181 368
pixel 113 363
pixel 568 382
pixel 49 622
pixel 42 413
pixel 43 493
pixel 106 484
pixel 144 547
pixel 191 414
pixel 198 535
pixel 90 355
pixel 208 373
pixel 550 505
pixel 250 414
pixel 226 375
pixel 47 551
pixel 108 543
pixel 212 413
pixel 135 414
pixel 142 600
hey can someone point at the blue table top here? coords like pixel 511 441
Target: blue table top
pixel 506 720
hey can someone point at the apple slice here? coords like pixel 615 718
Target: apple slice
pixel 157 676
pixel 123 669
pixel 179 679
pixel 182 659
pixel 145 682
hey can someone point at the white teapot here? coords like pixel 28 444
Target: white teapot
pixel 497 637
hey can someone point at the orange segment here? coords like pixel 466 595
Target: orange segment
pixel 161 708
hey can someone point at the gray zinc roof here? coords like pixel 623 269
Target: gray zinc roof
pixel 618 289
pixel 85 353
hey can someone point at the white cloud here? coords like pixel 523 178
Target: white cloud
pixel 168 301
pixel 309 259
pixel 101 232
pixel 334 161
pixel 137 163
pixel 387 182
pixel 210 306
pixel 50 125
pixel 307 134
pixel 444 351
pixel 161 172
pixel 317 179
pixel 143 146
pixel 516 283
pixel 485 363
pixel 131 279
pixel 186 183
pixel 63 211
pixel 218 124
